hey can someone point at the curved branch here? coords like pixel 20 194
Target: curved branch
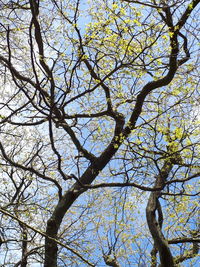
pixel 186 14
pixel 155 225
pixel 184 240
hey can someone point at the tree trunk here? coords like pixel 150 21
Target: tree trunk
pixel 155 225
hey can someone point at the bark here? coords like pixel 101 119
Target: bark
pixel 111 261
pixel 97 164
pixel 24 245
pixel 154 224
pixel 189 254
pixel 51 248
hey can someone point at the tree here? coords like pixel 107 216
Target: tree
pixel 99 122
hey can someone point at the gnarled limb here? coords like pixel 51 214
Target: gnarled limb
pixel 154 224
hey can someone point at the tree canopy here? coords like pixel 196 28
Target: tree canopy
pixel 100 133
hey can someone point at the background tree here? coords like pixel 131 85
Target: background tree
pixel 99 121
